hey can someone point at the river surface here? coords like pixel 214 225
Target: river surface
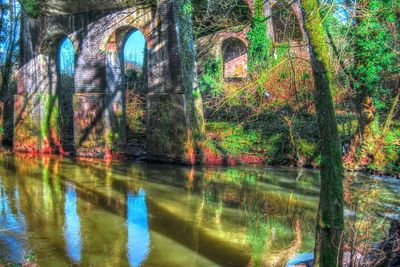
pixel 69 212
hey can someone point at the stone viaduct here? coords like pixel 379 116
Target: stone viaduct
pixel 88 119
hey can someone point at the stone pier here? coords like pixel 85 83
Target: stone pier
pixel 95 103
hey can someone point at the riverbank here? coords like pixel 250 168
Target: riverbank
pixel 272 143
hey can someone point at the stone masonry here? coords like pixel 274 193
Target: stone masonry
pixel 99 123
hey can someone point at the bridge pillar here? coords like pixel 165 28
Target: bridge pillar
pixel 173 113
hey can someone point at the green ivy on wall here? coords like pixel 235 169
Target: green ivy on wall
pixel 34 8
pixel 260 44
pixel 211 80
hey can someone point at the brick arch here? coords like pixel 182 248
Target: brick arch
pixel 234 57
pixel 119 26
pixel 287 13
pixel 170 105
pixel 115 42
pixel 48 59
pixel 223 36
pixel 51 42
pixel 91 62
pixel 233 42
pixel 211 45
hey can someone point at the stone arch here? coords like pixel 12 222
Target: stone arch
pixel 56 101
pixel 171 117
pixel 99 79
pixel 116 88
pixel 115 40
pixel 286 21
pixel 65 94
pixel 234 58
pixel 48 59
pixel 50 42
pixel 113 37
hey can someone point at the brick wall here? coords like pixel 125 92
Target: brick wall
pixel 98 116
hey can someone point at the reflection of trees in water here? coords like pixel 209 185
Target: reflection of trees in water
pixel 277 225
pixel 273 240
pixel 368 221
pixel 12 223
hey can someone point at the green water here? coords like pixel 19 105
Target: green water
pixel 69 212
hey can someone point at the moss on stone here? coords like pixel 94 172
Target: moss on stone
pixel 34 8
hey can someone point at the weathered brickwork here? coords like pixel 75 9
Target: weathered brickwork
pixel 213 46
pixel 98 98
pixel 27 124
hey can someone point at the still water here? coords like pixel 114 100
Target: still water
pixel 92 213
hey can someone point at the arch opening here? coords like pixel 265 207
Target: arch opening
pixel 285 23
pixel 234 56
pixel 127 83
pixel 65 92
pixel 135 72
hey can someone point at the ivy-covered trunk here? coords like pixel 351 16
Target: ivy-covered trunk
pixel 330 221
pixel 189 75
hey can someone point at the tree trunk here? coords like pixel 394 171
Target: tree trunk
pixel 330 220
pixel 6 87
pixel 366 114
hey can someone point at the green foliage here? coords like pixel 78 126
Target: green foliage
pixel 304 76
pixel 211 80
pixel 50 120
pixel 34 8
pixel 268 137
pixel 135 112
pixel 234 139
pixel 259 44
pixel 187 9
pixel 374 46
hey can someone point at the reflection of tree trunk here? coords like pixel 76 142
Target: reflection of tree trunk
pixel 287 254
pixel 330 221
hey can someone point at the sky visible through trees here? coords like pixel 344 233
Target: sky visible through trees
pixel 134 48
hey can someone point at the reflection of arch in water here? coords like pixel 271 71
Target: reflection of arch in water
pixel 138 229
pixel 13 237
pixel 72 232
pixel 234 56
